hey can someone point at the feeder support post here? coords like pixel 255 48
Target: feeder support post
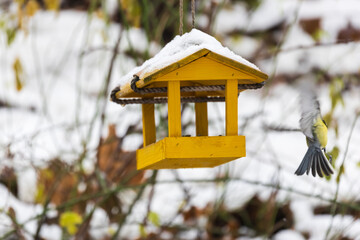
pixel 231 102
pixel 201 118
pixel 148 121
pixel 174 109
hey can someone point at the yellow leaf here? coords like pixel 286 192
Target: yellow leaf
pixel 20 2
pixel 40 193
pixel 328 118
pixel 19 76
pixel 142 231
pixel 154 218
pixel 132 10
pixel 52 4
pixel 318 34
pixel 69 220
pixel 333 154
pixel 31 8
pixel 45 176
pixel 336 128
pixel 341 172
pixel 337 86
pixel 11 34
pixel 111 231
pixel 100 14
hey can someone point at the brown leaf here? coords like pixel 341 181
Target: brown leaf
pixel 59 184
pixel 118 165
pixel 66 189
pixel 9 179
pixel 11 213
pixel 327 210
pixel 312 26
pixel 18 231
pixel 192 214
pixel 83 230
pixel 349 34
pixel 263 216
pixel 112 207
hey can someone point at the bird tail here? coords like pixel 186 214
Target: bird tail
pixel 315 160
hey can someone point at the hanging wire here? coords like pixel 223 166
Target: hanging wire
pixel 181 17
pixel 193 13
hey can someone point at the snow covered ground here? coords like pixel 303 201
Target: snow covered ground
pixel 64 71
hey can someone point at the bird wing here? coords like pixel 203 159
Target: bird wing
pixel 310 108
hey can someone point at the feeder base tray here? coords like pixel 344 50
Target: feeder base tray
pixel 191 152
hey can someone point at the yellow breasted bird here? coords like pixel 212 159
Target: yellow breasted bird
pixel 315 130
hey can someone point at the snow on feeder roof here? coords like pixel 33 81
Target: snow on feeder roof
pixel 193 67
pixel 181 51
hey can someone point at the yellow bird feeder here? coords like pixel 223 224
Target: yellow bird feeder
pixel 192 68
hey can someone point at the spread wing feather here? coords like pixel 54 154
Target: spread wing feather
pixel 310 108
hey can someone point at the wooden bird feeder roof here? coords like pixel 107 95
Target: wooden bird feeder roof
pixel 195 59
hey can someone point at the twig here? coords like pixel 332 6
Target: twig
pixel 120 188
pixel 316 45
pixel 100 48
pixel 42 216
pixel 186 199
pixel 105 91
pixel 279 128
pixel 334 207
pixel 210 181
pixel 151 195
pixel 124 217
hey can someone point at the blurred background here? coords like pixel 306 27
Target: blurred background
pixel 67 154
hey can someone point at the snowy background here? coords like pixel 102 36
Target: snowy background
pixel 53 75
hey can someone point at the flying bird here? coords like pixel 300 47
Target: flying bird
pixel 314 128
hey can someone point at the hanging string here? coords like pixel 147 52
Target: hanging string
pixel 181 17
pixel 193 13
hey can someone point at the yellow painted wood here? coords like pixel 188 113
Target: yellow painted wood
pixel 231 103
pixel 125 91
pixel 145 80
pixel 204 69
pixel 259 76
pixel 160 72
pixel 201 119
pixel 191 152
pixel 149 155
pixel 148 120
pixel 174 109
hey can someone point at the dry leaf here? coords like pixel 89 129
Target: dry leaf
pixel 9 179
pixel 118 165
pixel 349 34
pixel 19 76
pixel 60 183
pixel 52 4
pixel 31 8
pixel 312 26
